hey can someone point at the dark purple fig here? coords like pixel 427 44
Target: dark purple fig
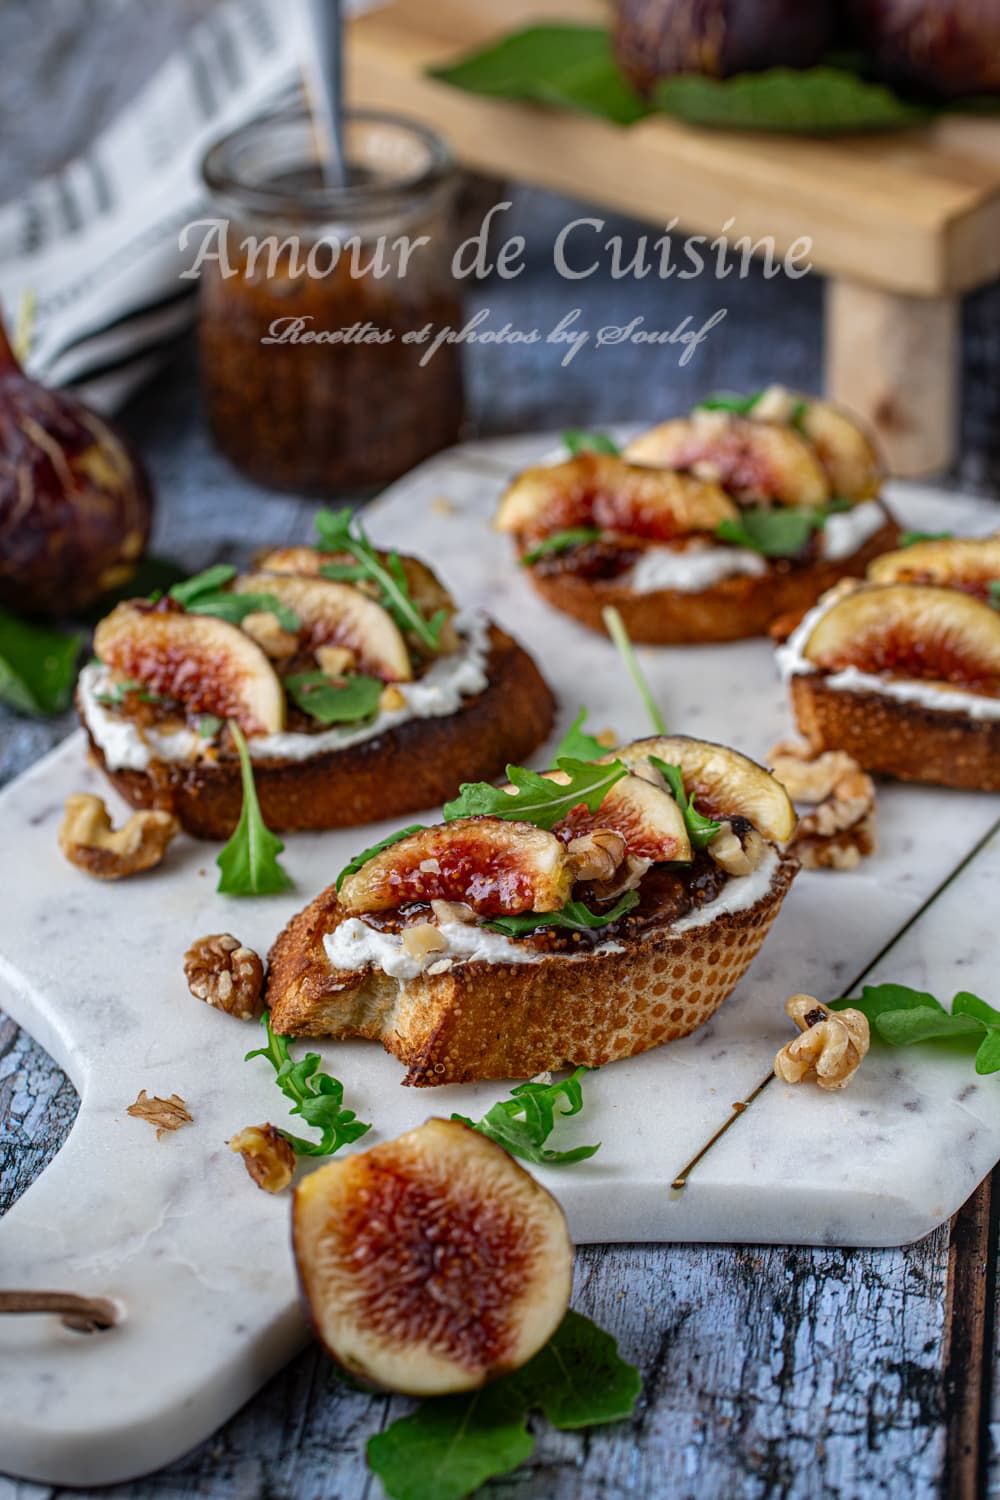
pixel 947 47
pixel 657 39
pixel 75 500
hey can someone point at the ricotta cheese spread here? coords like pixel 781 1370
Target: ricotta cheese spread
pixel 692 569
pixel 125 746
pixel 846 531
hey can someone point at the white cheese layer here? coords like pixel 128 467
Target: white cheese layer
pixel 440 692
pixel 847 531
pixel 792 662
pixel 692 569
pixel 353 944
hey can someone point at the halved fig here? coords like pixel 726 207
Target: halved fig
pixel 598 489
pixel 758 461
pixel 911 630
pixel 432 1263
pixel 966 563
pixel 207 664
pixel 337 614
pixel 425 588
pixel 646 816
pixel 721 782
pixel 497 868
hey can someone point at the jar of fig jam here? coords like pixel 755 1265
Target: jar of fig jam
pixel 320 305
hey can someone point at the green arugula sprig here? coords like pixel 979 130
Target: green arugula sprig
pixel 249 862
pixel 911 538
pixel 578 440
pixel 701 830
pixel 903 1017
pixel 574 917
pixel 37 666
pixel 523 1123
pixel 123 688
pixel 316 1097
pixel 722 401
pixel 615 626
pixel 341 531
pixel 781 532
pixel 561 541
pixel 328 702
pixel 577 744
pixel 451 1445
pixel 362 859
pixel 206 594
pixel 994 593
pixel 537 800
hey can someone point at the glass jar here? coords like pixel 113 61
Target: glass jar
pixel 317 304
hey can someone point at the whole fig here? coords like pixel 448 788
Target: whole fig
pixel 656 39
pixel 75 501
pixel 947 47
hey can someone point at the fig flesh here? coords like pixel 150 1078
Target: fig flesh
pixel 202 662
pixel 338 615
pixel 646 816
pixel 433 1263
pixel 722 783
pixel 758 461
pixel 75 500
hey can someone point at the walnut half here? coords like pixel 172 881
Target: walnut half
pixel 223 973
pixel 88 840
pixel 830 1047
pixel 840 831
pixel 266 1155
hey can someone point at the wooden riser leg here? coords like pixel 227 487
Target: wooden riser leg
pixel 896 362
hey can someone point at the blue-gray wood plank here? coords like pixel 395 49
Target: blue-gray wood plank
pixel 768 1372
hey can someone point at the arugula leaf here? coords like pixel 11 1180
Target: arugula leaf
pixel 205 594
pixel 988 1055
pixel 37 666
pixel 781 532
pixel 341 531
pixel 741 405
pixel 537 800
pixel 574 916
pixel 450 1446
pixel 910 538
pixel 994 592
pixel 904 1017
pixel 123 688
pixel 571 66
pixel 249 862
pixel 615 626
pixel 701 830
pixel 561 541
pixel 366 854
pixel 579 440
pixel 923 1023
pixel 325 701
pixel 577 744
pixel 821 100
pixel 876 999
pixel 966 1004
pixel 209 726
pixel 523 1123
pixel 209 581
pixel 316 1096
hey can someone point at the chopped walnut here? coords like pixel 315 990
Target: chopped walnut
pixel 335 661
pixel 841 830
pixel 452 911
pixel 734 857
pixel 223 973
pixel 627 877
pixel 423 938
pixel 607 738
pixel 266 629
pixel 830 1047
pixel 266 1155
pixel 391 699
pixel 165 1114
pixel 596 855
pixel 88 840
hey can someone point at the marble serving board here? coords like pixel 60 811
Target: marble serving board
pixel 199 1259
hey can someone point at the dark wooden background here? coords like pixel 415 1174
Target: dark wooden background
pixel 768 1372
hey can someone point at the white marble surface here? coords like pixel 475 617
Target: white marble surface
pixel 199 1258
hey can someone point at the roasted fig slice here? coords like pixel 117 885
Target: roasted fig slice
pixel 721 782
pixel 646 816
pixel 598 489
pixel 497 868
pixel 910 630
pixel 337 614
pixel 843 446
pixel 965 563
pixel 757 461
pixel 207 664
pixel 433 1263
pixel 425 588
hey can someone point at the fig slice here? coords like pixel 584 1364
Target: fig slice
pixel 846 450
pixel 494 866
pixel 207 664
pixel 722 783
pixel 758 461
pixel 910 630
pixel 646 816
pixel 598 489
pixel 339 615
pixel 425 588
pixel 432 1263
pixel 966 563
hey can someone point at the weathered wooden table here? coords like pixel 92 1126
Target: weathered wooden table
pixel 767 1372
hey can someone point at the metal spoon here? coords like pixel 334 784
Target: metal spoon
pixel 324 35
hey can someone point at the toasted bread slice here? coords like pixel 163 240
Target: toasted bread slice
pixel 479 1019
pixel 415 765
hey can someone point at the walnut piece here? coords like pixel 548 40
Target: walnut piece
pixel 266 1155
pixel 88 840
pixel 734 856
pixel 165 1114
pixel 840 832
pixel 829 1048
pixel 267 630
pixel 391 699
pixel 335 661
pixel 423 938
pixel 596 855
pixel 223 973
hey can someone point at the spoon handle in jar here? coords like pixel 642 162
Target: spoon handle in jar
pixel 325 82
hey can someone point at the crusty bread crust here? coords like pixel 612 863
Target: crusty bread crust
pixel 899 739
pixel 481 1020
pixel 415 765
pixel 729 610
